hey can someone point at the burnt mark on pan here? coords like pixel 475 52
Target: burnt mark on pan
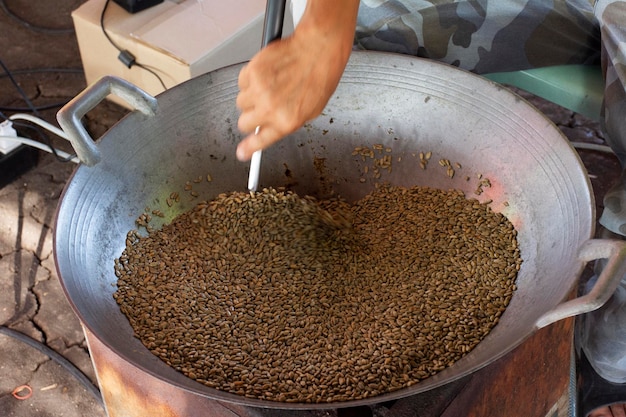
pixel 291 182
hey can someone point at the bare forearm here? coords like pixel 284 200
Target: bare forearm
pixel 291 80
pixel 330 19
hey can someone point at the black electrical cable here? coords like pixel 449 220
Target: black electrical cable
pixel 39 71
pixel 48 31
pixel 29 71
pixel 39 108
pixel 125 56
pixel 58 358
pixel 146 68
pixel 104 10
pixel 44 139
pixel 19 89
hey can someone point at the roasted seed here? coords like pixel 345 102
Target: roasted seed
pixel 260 311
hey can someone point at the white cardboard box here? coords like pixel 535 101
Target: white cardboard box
pixel 177 40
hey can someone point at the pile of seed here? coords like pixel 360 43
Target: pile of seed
pixel 277 297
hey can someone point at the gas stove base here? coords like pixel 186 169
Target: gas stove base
pixel 532 380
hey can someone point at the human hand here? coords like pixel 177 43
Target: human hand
pixel 290 81
pixel 615 410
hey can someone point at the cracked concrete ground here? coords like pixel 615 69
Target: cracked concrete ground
pixel 31 298
pixel 32 302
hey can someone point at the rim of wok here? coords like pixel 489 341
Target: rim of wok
pixel 353 69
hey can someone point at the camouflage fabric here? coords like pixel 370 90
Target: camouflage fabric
pixel 509 35
pixel 483 35
pixel 612 18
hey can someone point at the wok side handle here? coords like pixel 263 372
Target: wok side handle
pixel 615 252
pixel 69 117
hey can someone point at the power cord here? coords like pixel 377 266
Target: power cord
pixel 10 140
pixel 592 147
pixel 125 56
pixel 39 71
pixel 19 88
pixel 8 135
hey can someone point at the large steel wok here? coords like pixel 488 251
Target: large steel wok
pixel 406 104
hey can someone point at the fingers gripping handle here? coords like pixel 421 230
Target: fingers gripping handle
pixel 69 117
pixel 609 279
pixel 273 24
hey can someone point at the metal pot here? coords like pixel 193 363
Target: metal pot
pixel 406 104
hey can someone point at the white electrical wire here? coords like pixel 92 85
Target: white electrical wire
pixel 39 145
pixel 39 122
pixel 35 144
pixel 592 147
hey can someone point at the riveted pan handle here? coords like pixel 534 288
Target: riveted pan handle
pixel 614 271
pixel 69 117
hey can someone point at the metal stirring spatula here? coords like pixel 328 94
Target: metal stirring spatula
pixel 272 30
